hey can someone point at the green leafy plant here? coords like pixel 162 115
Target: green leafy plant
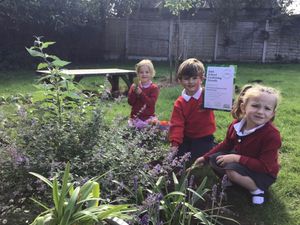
pixel 167 198
pixel 77 205
pixel 57 91
pixel 175 205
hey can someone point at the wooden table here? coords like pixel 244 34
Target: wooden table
pixel 112 75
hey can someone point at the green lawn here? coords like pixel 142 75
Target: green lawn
pixel 283 207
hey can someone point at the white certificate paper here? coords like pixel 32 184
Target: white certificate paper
pixel 219 87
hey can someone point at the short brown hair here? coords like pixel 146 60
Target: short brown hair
pixel 190 68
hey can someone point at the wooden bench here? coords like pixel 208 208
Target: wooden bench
pixel 112 75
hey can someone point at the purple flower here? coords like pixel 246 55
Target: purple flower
pixel 157 170
pixel 171 155
pixel 225 182
pixel 152 200
pixel 22 112
pixel 191 181
pixel 135 184
pixel 144 220
pixel 185 157
pixel 17 158
pixel 146 167
pixel 214 193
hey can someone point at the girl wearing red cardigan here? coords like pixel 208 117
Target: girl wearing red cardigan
pixel 143 96
pixel 249 153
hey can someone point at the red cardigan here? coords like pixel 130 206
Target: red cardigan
pixel 148 97
pixel 259 150
pixel 189 119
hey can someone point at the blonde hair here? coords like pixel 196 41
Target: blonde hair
pixel 145 62
pixel 190 68
pixel 249 91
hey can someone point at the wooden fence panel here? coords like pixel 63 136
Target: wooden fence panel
pixel 242 41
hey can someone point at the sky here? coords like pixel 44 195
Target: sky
pixel 295 6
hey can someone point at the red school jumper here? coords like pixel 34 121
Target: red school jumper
pixel 148 97
pixel 259 150
pixel 189 119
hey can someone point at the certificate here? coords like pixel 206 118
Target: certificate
pixel 219 87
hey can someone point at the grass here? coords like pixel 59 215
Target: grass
pixel 283 207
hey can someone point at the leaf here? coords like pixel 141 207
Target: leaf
pixel 96 193
pixel 42 66
pixel 202 217
pixel 175 193
pixel 195 196
pixel 175 180
pixel 124 187
pixel 83 215
pixel 64 190
pixel 70 207
pixel 136 81
pixel 54 57
pixel 42 178
pixel 39 203
pixel 225 218
pixel 201 190
pixel 55 195
pixel 40 221
pixel 159 182
pixel 35 53
pixel 47 44
pixel 60 63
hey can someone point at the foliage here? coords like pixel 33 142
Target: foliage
pixel 60 14
pixel 77 205
pixel 226 12
pixel 16 185
pixel 176 6
pixel 167 198
pixel 62 124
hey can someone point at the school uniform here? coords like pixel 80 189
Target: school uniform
pixel 143 105
pixel 192 126
pixel 258 148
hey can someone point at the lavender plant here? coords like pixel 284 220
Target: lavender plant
pixel 167 200
pixel 218 196
pixel 174 199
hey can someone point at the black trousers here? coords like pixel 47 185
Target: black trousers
pixel 196 146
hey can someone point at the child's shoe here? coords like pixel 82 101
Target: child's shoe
pixel 258 197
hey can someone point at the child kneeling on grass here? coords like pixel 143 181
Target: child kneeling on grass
pixel 143 96
pixel 249 153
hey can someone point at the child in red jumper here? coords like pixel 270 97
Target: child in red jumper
pixel 191 126
pixel 142 97
pixel 249 153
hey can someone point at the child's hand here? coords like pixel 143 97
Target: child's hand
pixel 174 148
pixel 222 160
pixel 199 162
pixel 138 90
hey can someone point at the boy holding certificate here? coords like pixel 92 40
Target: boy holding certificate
pixel 191 126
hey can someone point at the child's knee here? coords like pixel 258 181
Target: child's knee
pixel 233 175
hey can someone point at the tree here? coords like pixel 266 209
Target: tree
pixel 60 13
pixel 176 7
